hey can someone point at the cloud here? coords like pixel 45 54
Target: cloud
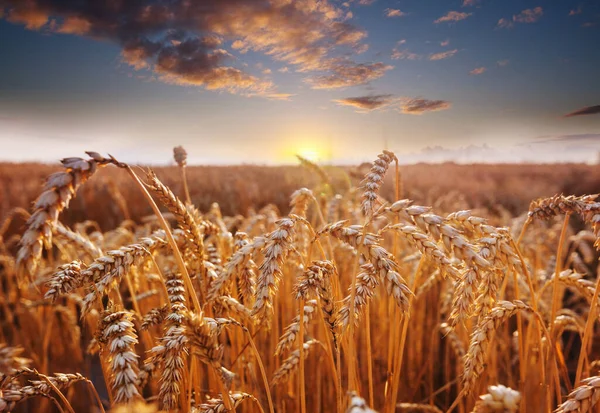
pixel 445 43
pixel 185 42
pixel 394 13
pixel 529 15
pixel 453 16
pixel 366 103
pixel 505 24
pixel 526 16
pixel 469 3
pixel 583 137
pixel 588 110
pixel 345 73
pixel 404 105
pixel 419 106
pixel 404 55
pixel 477 71
pixel 366 2
pixel 33 18
pixel 284 69
pixel 443 55
pixel 503 63
pixel 575 12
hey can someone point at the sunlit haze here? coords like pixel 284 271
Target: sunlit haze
pixel 249 81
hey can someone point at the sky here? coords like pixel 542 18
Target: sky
pixel 257 81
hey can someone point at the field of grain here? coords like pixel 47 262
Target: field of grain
pixel 386 288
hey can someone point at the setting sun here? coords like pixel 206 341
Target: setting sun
pixel 312 154
pixel 315 150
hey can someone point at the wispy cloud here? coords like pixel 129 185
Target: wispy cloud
pixel 404 55
pixel 445 43
pixel 344 73
pixel 503 62
pixel 526 16
pixel 186 42
pixel 588 110
pixel 404 105
pixel 505 23
pixel 477 71
pixel 443 55
pixel 452 16
pixel 394 13
pixel 366 103
pixel 419 106
pixel 529 15
pixel 574 12
pixel 583 137
pixel 469 3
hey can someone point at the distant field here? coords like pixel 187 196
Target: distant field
pixel 238 188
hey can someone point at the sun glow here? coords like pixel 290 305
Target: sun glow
pixel 312 154
pixel 313 151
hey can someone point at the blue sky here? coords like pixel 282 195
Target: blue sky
pixel 257 81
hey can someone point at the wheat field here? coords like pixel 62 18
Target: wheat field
pixel 347 295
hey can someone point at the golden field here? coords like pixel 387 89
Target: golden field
pixel 423 288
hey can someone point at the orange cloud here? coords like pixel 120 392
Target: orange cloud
pixel 405 105
pixel 445 43
pixel 75 25
pixel 443 55
pixel 394 13
pixel 477 71
pixel 453 16
pixel 468 3
pixel 404 55
pixel 26 13
pixel 529 15
pixel 366 103
pixel 419 106
pixel 346 73
pixel 526 16
pixel 184 42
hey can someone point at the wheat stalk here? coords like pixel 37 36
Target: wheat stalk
pixel 276 248
pixel 583 398
pixel 290 364
pixel 10 397
pixel 374 179
pixel 218 406
pixel 60 187
pixel 290 333
pixel 117 331
pixel 474 360
pixel 358 405
pixel 499 399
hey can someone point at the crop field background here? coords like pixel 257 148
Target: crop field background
pixel 423 288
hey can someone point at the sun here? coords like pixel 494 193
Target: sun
pixel 312 154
